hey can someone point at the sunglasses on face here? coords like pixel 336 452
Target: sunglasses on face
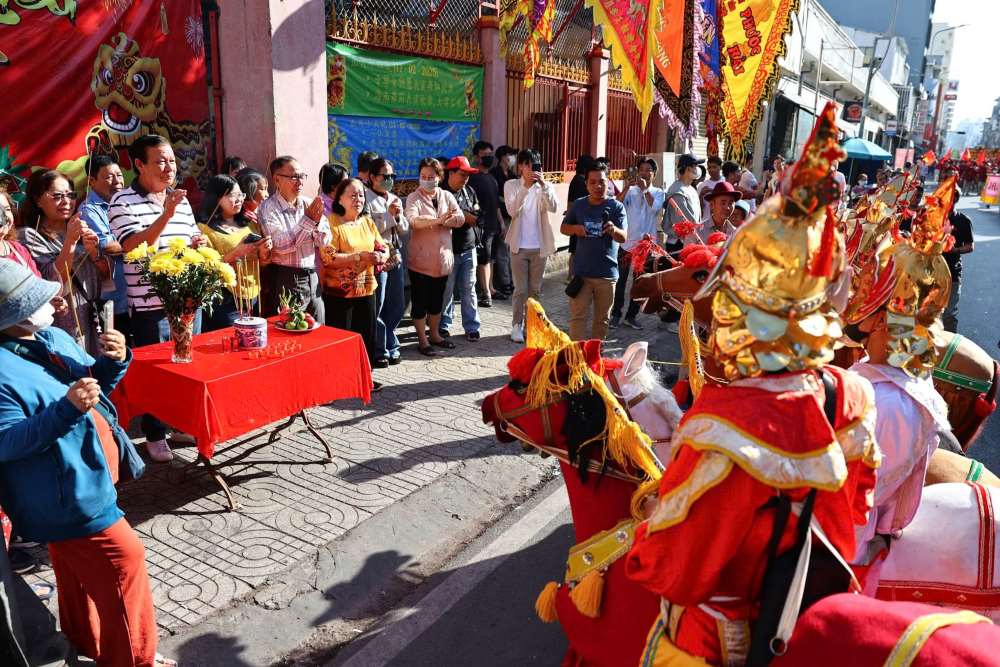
pixel 60 196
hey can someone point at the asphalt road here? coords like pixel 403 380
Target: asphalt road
pixel 979 307
pixel 480 610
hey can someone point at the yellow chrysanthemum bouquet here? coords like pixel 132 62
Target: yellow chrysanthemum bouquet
pixel 185 279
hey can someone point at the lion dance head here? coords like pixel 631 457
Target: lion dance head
pixel 129 89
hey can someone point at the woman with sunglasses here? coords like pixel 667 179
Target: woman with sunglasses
pixel 387 212
pixel 65 250
pixel 228 232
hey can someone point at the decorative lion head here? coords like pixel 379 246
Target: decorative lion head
pixel 129 89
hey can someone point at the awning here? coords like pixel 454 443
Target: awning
pixel 863 149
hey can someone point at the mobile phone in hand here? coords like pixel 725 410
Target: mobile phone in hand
pixel 536 166
pixel 107 316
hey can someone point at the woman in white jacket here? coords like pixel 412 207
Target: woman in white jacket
pixel 529 200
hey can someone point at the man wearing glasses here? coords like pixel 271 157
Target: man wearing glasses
pixel 298 230
pixel 151 210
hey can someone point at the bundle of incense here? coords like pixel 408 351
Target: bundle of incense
pixel 72 300
pixel 260 312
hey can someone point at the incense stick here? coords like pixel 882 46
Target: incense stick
pixel 72 301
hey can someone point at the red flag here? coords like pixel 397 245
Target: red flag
pixel 946 156
pixel 966 155
pixel 981 158
pixel 929 158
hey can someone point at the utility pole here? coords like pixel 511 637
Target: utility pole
pixel 868 86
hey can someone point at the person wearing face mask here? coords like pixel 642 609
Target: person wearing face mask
pixel 487 192
pixel 504 170
pixel 387 211
pixel 432 213
pixel 65 250
pixel 61 454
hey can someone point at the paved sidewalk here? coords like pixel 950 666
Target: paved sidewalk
pixel 426 421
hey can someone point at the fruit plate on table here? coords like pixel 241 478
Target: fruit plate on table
pixel 281 327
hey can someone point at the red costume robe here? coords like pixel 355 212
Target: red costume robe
pixel 704 548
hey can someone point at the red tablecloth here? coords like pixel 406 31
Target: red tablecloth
pixel 222 395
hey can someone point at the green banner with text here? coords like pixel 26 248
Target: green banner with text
pixel 361 82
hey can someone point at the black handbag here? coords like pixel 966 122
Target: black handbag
pixel 574 286
pixel 130 463
pixel 825 575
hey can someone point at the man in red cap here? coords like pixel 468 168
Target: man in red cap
pixel 465 239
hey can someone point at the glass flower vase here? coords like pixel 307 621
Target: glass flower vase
pixel 182 335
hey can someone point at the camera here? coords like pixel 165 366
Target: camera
pixel 595 228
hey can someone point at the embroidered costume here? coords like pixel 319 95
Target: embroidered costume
pixel 770 433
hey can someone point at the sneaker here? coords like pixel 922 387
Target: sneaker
pixel 444 333
pixel 380 363
pixel 159 450
pixel 472 337
pixel 517 333
pixel 632 324
pixel 18 543
pixel 395 361
pixel 672 327
pixel 21 561
pixel 615 321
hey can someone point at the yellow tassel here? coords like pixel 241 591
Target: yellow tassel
pixel 587 594
pixel 646 489
pixel 545 605
pixel 691 349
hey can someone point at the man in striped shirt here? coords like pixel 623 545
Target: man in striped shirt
pixel 151 211
pixel 298 230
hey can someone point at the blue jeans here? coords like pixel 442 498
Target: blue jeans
pixel 148 328
pixel 464 274
pixel 389 304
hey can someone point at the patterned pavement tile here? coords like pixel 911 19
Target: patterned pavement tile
pixel 425 421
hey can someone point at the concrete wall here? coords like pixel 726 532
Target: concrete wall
pixel 912 23
pixel 273 64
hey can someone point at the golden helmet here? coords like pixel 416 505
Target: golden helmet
pixel 770 309
pixel 922 285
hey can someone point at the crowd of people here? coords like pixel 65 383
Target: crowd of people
pixel 473 232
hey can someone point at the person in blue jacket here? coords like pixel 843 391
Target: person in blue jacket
pixel 61 453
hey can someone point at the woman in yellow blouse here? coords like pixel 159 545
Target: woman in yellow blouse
pixel 355 253
pixel 229 232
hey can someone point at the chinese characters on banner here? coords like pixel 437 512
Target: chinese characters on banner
pixel 751 40
pixel 91 77
pixel 405 108
pixel 629 28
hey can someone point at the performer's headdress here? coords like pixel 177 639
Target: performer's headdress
pixel 770 307
pixel 922 285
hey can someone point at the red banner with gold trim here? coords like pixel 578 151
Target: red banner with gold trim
pixel 91 77
pixel 630 28
pixel 751 40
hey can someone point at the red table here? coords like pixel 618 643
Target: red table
pixel 222 395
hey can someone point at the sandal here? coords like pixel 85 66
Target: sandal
pixel 443 344
pixel 162 661
pixel 427 351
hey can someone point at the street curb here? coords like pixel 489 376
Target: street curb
pixel 322 602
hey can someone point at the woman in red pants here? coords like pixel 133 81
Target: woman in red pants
pixel 61 452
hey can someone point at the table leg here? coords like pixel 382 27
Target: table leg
pixel 276 433
pixel 221 481
pixel 309 426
